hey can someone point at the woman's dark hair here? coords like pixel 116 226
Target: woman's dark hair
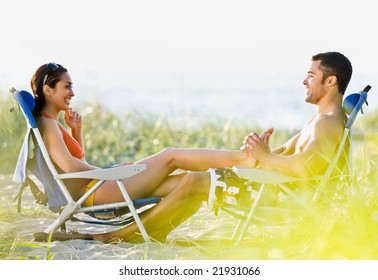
pixel 335 64
pixel 47 74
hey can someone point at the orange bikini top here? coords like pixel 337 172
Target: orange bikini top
pixel 72 145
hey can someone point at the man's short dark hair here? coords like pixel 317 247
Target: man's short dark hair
pixel 335 64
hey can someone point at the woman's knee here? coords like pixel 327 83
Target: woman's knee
pixel 169 155
pixel 168 150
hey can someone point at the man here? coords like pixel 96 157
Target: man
pixel 308 152
pixel 305 154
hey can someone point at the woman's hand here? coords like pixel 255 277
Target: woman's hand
pixel 73 120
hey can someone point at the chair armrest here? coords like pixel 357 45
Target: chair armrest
pixel 264 176
pixel 111 173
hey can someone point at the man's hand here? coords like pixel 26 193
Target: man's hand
pixel 265 135
pixel 258 146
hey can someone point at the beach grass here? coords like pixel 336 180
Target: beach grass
pixel 342 226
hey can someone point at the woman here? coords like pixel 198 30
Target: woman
pixel 52 88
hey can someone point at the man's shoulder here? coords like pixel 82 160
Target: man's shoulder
pixel 336 117
pixel 330 124
pixel 331 119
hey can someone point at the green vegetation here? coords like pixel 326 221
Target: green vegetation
pixel 111 138
pixel 340 227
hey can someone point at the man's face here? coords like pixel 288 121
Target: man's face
pixel 314 86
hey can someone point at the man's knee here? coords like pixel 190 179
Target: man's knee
pixel 197 183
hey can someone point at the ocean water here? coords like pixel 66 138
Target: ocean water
pixel 263 108
pixel 275 100
pixel 255 107
pixel 255 100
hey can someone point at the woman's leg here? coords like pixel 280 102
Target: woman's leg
pixel 162 164
pixel 181 203
pixel 109 192
pixel 200 159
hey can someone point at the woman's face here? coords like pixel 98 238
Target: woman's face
pixel 61 95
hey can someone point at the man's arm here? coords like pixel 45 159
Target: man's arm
pixel 317 153
pixel 288 148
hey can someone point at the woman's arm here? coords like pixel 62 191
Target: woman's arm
pixel 74 122
pixel 58 151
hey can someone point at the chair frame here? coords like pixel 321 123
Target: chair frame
pixel 73 207
pixel 264 177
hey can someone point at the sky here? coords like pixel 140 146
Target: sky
pixel 206 43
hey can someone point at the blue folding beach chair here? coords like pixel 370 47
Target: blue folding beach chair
pixel 34 159
pixel 353 105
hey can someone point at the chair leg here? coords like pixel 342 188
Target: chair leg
pixel 236 232
pixel 242 228
pixel 133 211
pixel 63 227
pixel 68 210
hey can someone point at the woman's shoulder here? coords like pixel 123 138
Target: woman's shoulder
pixel 47 126
pixel 43 122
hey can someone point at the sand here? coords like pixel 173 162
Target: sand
pixel 16 231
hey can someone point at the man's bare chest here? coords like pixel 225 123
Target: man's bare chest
pixel 304 137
